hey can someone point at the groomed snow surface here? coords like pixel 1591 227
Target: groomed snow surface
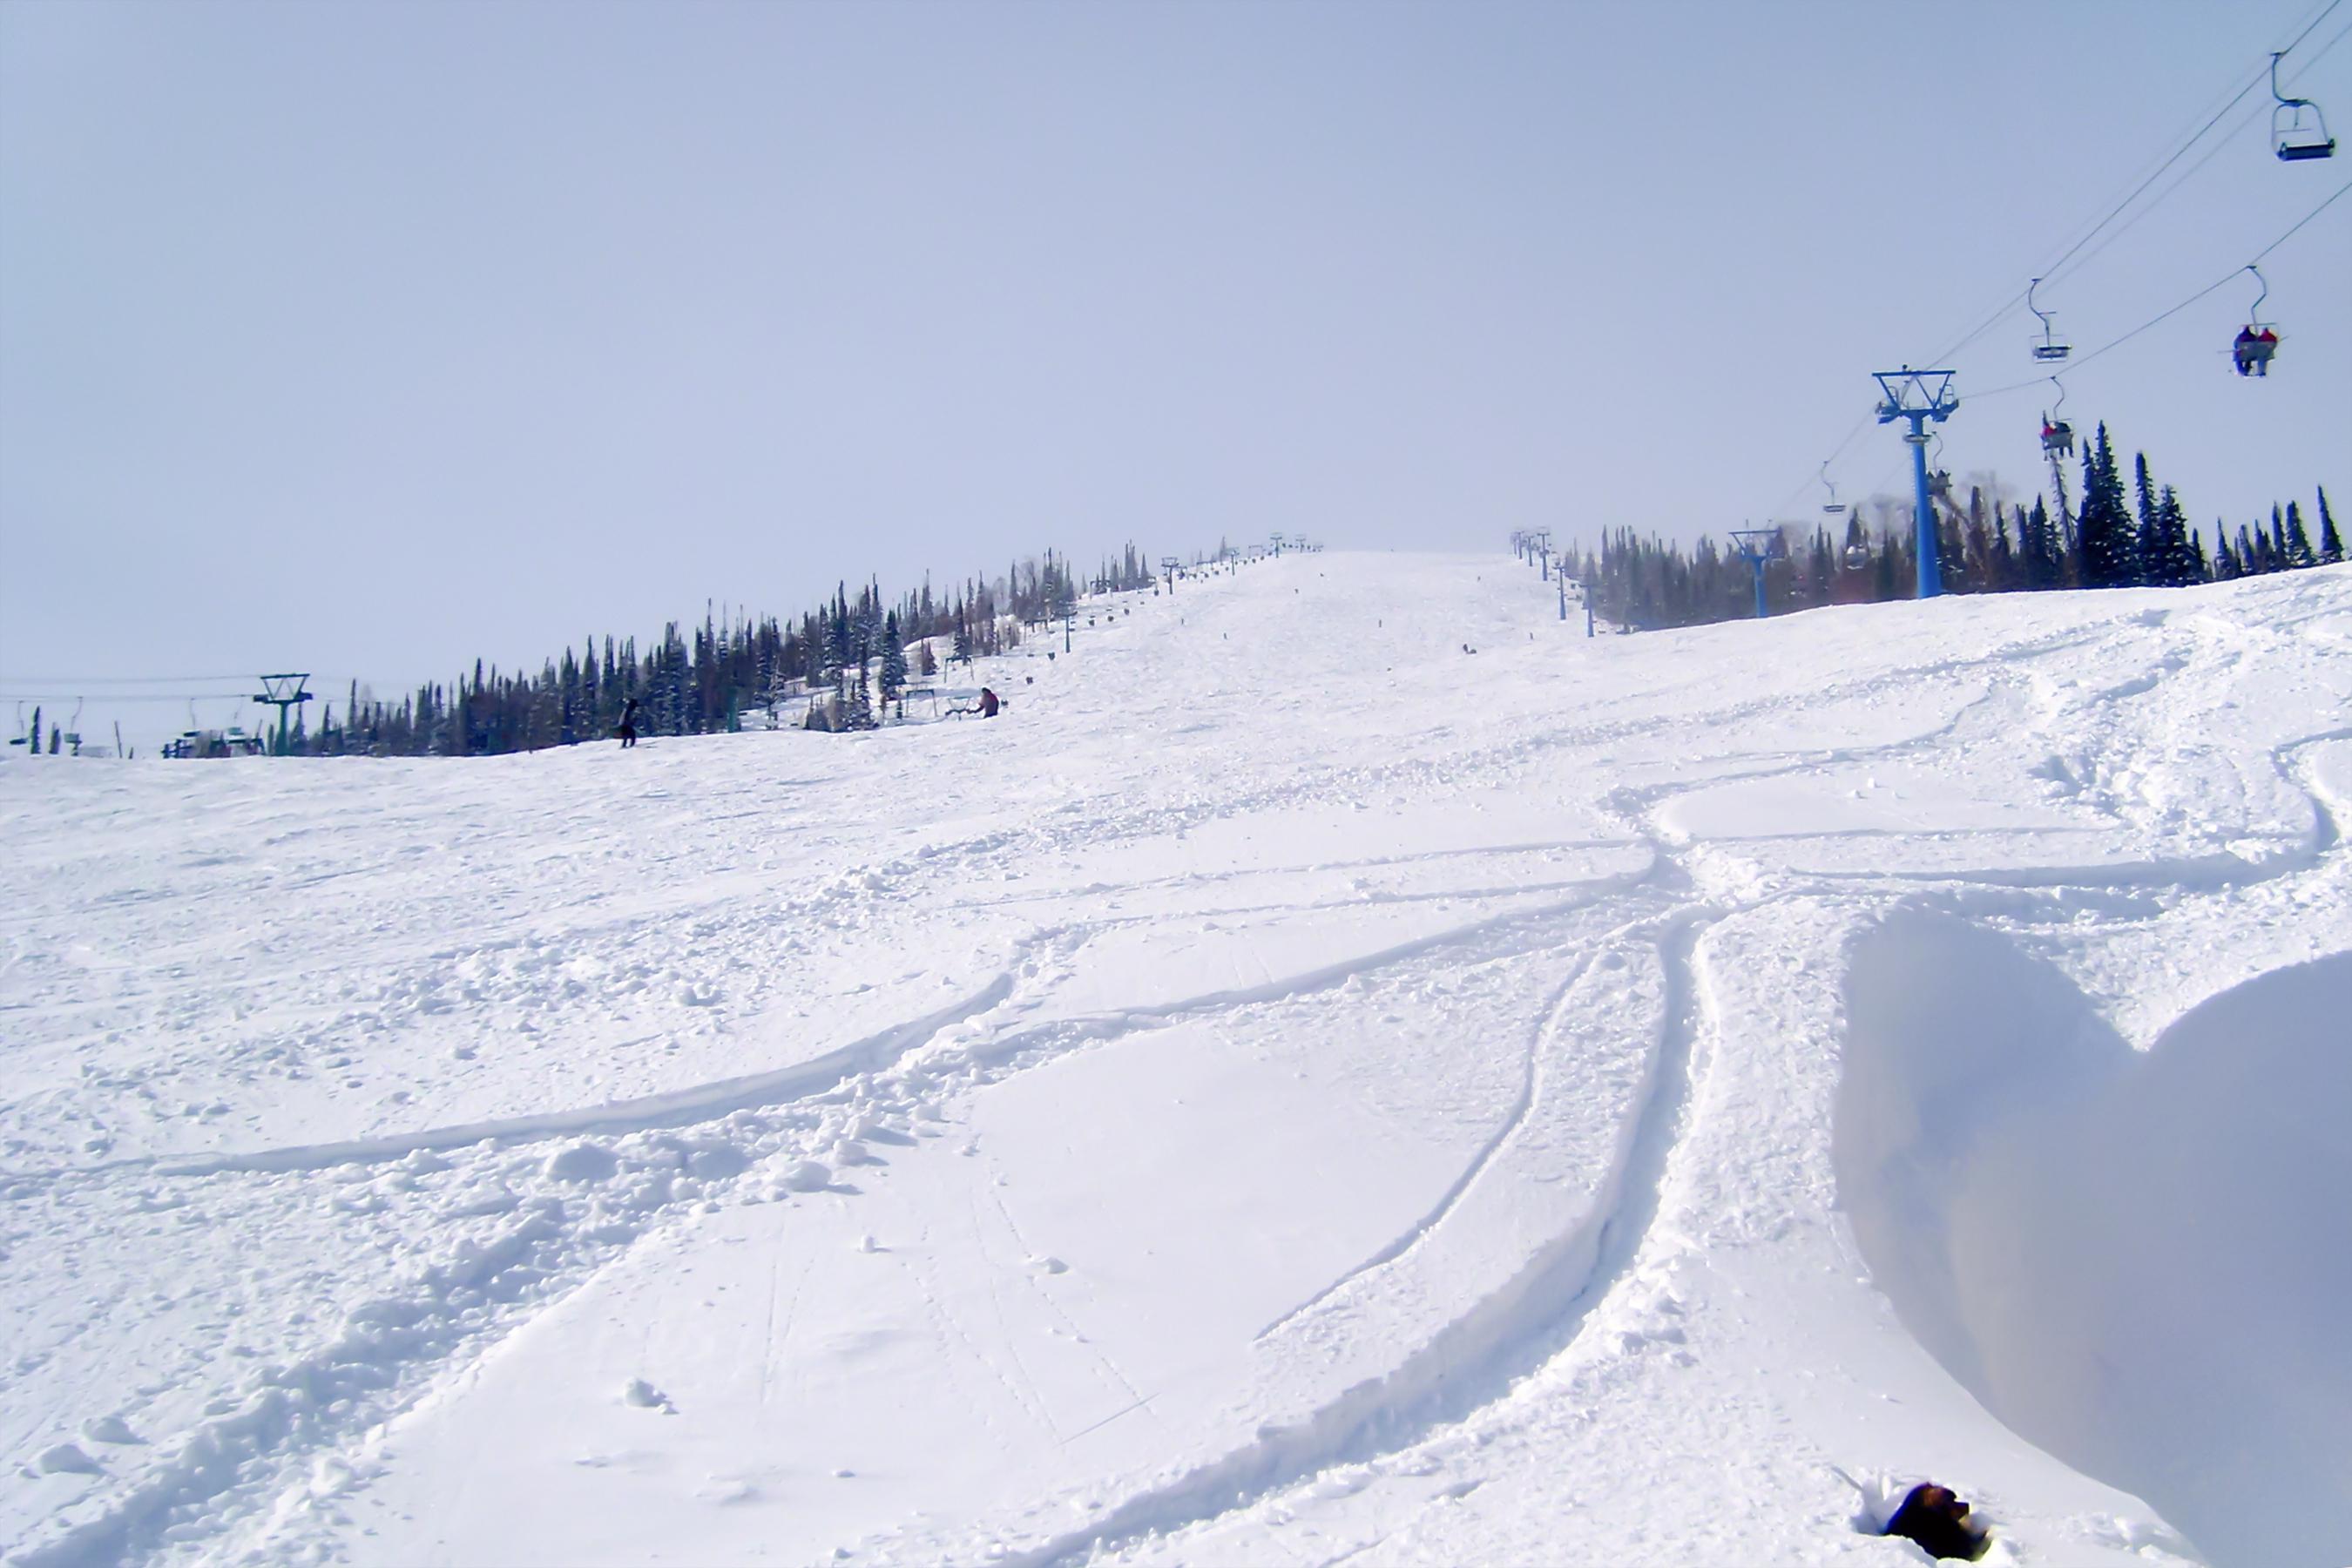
pixel 1291 1089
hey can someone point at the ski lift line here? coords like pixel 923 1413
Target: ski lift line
pixel 2221 145
pixel 2050 274
pixel 1864 423
pixel 126 696
pixel 2324 12
pixel 2221 282
pixel 122 680
pixel 2056 270
pixel 2290 234
pixel 2140 189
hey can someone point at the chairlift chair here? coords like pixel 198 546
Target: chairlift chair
pixel 2051 347
pixel 2251 352
pixel 1939 479
pixel 2294 144
pixel 1833 506
pixel 2057 436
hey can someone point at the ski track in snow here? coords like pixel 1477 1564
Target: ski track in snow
pixel 519 1212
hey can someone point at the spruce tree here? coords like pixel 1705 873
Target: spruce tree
pixel 2331 545
pixel 894 660
pixel 2151 556
pixel 2176 563
pixel 2041 551
pixel 2109 542
pixel 2294 544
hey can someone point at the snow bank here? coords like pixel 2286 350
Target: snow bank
pixel 2118 1251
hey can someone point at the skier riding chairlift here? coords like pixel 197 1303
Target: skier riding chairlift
pixel 2252 349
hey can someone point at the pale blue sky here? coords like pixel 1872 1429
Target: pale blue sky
pixel 367 338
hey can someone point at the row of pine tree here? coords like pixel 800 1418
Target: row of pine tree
pixel 852 650
pixel 2119 537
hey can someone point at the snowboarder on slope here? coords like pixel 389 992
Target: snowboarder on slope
pixel 629 724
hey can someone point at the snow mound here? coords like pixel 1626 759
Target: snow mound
pixel 2113 1249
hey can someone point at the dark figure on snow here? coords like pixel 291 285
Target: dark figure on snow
pixel 988 703
pixel 629 722
pixel 1936 1519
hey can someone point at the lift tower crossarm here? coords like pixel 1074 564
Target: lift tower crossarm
pixel 284 692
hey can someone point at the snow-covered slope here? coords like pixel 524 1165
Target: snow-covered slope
pixel 1344 1067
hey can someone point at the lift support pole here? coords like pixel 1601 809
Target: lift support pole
pixel 1759 547
pixel 1916 396
pixel 284 692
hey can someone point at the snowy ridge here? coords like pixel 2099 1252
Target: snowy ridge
pixel 1453 1110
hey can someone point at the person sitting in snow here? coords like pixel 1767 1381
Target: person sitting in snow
pixel 988 703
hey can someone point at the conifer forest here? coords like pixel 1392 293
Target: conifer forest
pixel 2109 532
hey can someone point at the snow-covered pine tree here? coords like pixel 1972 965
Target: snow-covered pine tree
pixel 858 714
pixel 2331 543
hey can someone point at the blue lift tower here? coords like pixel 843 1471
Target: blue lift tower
pixel 1918 396
pixel 1759 547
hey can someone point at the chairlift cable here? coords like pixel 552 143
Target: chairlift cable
pixel 120 679
pixel 70 696
pixel 2223 281
pixel 2312 25
pixel 1861 424
pixel 2140 189
pixel 2051 273
pixel 2219 146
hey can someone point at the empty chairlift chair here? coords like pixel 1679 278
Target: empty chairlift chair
pixel 2298 143
pixel 2051 348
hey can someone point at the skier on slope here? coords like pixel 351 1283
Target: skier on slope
pixel 629 724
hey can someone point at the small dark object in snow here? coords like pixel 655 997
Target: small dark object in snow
pixel 1939 1521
